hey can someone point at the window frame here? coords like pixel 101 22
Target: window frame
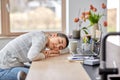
pixel 5 20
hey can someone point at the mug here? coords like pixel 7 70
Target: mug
pixel 73 46
pixel 76 34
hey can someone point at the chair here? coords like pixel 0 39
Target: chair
pixel 21 75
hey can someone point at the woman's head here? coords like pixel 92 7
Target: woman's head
pixel 58 41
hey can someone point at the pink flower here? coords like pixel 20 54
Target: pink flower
pixel 105 23
pixel 76 19
pixel 103 6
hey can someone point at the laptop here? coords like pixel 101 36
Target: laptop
pixel 84 53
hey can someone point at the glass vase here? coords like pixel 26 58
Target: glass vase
pixel 94 29
pixel 96 35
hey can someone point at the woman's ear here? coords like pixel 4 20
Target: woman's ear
pixel 54 35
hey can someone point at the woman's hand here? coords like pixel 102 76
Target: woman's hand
pixel 54 53
pixel 51 53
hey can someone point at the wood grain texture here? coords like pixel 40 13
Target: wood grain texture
pixel 57 68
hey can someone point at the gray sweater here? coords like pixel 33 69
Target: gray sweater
pixel 24 48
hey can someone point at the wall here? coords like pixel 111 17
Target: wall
pixel 115 5
pixel 73 7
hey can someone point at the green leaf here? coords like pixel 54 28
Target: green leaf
pixel 85 31
pixel 94 18
pixel 84 28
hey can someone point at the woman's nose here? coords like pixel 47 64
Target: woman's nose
pixel 60 47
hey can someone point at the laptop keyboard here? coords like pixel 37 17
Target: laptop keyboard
pixel 83 53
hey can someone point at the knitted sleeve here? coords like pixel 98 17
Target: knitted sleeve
pixel 38 43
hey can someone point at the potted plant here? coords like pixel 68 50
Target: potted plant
pixel 76 33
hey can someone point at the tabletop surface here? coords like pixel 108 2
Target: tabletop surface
pixel 57 68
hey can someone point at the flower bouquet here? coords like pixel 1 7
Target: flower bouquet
pixel 94 17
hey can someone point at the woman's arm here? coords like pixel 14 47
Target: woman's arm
pixel 51 53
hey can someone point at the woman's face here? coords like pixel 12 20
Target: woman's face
pixel 57 43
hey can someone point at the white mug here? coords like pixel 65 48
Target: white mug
pixel 73 46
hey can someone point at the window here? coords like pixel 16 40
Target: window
pixel 112 15
pixel 111 18
pixel 0 17
pixel 33 15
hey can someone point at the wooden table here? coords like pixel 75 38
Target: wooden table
pixel 57 68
